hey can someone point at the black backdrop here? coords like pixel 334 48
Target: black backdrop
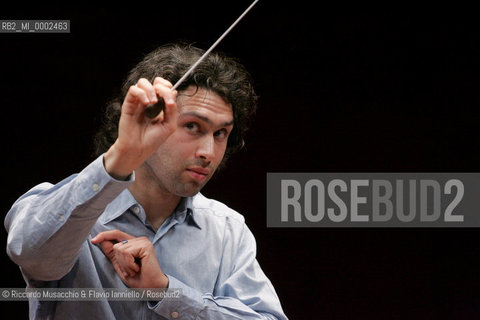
pixel 342 90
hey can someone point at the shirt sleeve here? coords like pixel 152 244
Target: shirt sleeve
pixel 48 225
pixel 246 293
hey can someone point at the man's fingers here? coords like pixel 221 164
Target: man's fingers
pixel 121 273
pixel 160 80
pixel 111 235
pixel 135 94
pixel 122 254
pixel 146 86
pixel 147 93
pixel 107 248
pixel 125 255
pixel 160 87
pixel 170 99
pixel 171 109
pixel 166 93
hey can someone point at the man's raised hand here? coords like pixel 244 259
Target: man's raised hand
pixel 138 135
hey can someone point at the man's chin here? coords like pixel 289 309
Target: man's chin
pixel 188 189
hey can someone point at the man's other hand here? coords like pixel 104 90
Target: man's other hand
pixel 134 259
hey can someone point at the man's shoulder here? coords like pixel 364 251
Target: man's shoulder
pixel 209 209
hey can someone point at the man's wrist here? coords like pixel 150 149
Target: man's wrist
pixel 115 165
pixel 164 281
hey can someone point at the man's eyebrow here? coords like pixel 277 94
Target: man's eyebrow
pixel 206 119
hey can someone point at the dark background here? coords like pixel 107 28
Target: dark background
pixel 342 89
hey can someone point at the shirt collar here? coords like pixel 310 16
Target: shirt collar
pixel 183 212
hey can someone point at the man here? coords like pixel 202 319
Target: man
pixel 135 218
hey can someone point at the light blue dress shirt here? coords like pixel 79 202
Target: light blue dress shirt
pixel 204 247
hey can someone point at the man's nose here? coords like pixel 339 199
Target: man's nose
pixel 206 148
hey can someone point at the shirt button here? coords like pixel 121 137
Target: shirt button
pixel 61 217
pixel 136 209
pixel 95 187
pixel 174 314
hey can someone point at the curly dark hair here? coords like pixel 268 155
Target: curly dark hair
pixel 217 73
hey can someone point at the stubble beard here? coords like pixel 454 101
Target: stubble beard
pixel 171 181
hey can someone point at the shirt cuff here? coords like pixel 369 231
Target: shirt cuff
pixel 187 306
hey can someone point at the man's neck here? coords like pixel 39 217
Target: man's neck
pixel 157 202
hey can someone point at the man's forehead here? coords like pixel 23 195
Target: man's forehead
pixel 205 105
pixel 223 121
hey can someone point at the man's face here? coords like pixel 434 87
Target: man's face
pixel 188 158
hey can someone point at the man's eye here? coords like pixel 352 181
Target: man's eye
pixel 222 134
pixel 191 126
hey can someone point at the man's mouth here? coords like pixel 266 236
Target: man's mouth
pixel 198 173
